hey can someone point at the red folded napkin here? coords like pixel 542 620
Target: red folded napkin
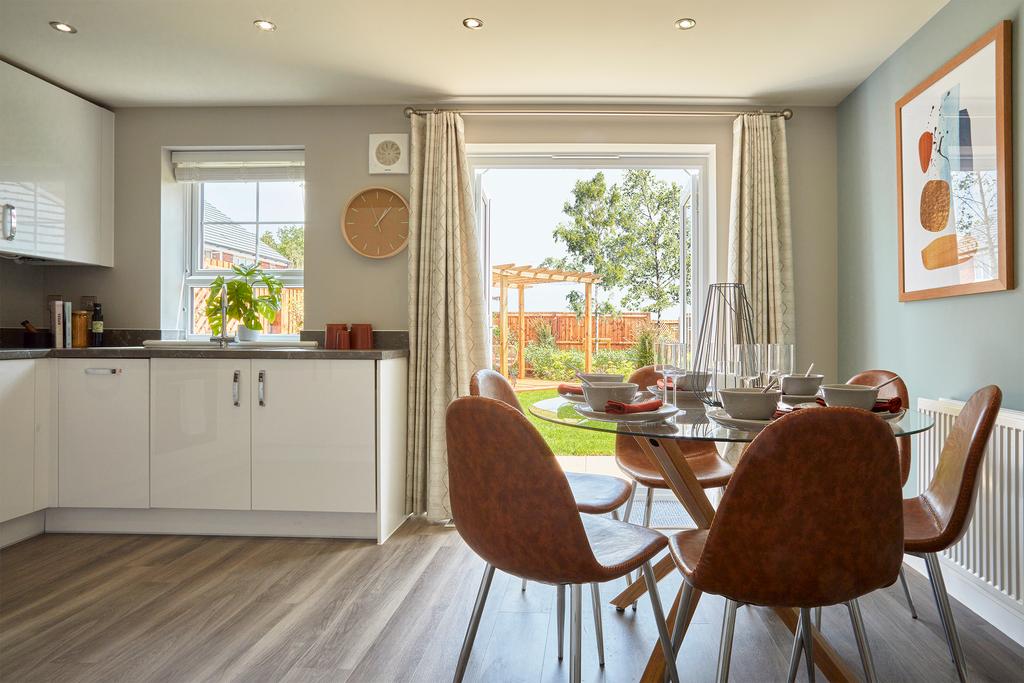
pixel 882 405
pixel 620 408
pixel 574 389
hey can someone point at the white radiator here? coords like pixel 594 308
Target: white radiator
pixel 988 563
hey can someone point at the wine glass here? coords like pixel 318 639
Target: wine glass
pixel 670 362
pixel 780 360
pixel 748 362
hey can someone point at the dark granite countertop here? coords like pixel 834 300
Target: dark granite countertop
pixel 141 352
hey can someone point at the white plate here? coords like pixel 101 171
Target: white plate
pixel 796 399
pixel 574 398
pixel 888 417
pixel 651 416
pixel 723 418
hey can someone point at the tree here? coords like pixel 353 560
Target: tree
pixel 593 237
pixel 650 216
pixel 290 242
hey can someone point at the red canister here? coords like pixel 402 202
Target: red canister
pixel 336 336
pixel 362 336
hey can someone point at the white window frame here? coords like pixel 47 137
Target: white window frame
pixel 196 276
pixel 704 240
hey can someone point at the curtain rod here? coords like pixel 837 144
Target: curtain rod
pixel 784 113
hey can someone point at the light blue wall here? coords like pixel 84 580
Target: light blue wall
pixel 942 347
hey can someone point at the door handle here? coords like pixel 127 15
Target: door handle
pixel 261 391
pixel 103 371
pixel 234 387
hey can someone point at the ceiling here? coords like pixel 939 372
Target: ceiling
pixel 207 52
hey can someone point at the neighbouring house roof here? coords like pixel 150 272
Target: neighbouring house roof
pixel 227 236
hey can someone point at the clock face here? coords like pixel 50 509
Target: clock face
pixel 376 223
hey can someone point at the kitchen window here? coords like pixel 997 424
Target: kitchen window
pixel 244 208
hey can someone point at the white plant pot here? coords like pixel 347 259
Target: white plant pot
pixel 245 334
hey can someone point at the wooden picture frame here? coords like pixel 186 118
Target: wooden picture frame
pixel 950 154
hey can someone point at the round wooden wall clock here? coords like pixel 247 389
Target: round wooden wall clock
pixel 376 222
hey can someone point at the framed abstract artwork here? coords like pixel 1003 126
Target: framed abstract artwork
pixel 954 171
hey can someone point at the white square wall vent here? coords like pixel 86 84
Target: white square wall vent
pixel 389 153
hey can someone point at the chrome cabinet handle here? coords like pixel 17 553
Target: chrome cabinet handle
pixel 103 371
pixel 234 387
pixel 261 388
pixel 10 221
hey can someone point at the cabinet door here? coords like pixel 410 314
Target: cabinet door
pixel 199 454
pixel 103 432
pixel 313 444
pixel 17 438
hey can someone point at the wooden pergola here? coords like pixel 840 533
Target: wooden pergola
pixel 510 275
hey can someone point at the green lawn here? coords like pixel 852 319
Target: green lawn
pixel 566 440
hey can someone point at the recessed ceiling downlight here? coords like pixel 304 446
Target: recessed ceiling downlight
pixel 473 23
pixel 265 25
pixel 685 24
pixel 63 27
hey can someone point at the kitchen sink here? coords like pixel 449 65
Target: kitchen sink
pixel 207 344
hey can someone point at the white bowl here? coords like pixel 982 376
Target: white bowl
pixel 849 395
pixel 600 377
pixel 694 381
pixel 750 404
pixel 599 393
pixel 801 385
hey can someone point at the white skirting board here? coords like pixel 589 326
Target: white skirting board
pixel 985 570
pixel 212 522
pixel 20 528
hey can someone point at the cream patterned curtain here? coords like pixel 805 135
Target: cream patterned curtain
pixel 447 311
pixel 760 242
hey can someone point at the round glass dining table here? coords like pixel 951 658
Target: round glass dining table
pixel 686 425
pixel 669 443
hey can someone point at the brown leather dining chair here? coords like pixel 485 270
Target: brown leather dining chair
pixel 512 505
pixel 938 518
pixel 811 517
pixel 709 468
pixel 594 493
pixel 897 389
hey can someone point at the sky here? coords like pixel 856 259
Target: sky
pixel 526 205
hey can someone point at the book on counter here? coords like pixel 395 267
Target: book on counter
pixel 57 323
pixel 67 325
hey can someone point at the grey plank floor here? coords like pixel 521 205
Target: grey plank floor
pixel 186 608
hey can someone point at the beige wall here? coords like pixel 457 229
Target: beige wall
pixel 342 286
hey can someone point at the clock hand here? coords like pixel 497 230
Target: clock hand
pixel 377 224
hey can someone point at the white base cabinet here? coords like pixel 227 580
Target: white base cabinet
pixel 103 432
pixel 17 438
pixel 200 434
pixel 313 435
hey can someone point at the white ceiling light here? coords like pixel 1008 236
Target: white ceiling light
pixel 473 23
pixel 685 24
pixel 264 25
pixel 63 27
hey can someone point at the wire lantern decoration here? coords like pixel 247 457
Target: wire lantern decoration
pixel 727 355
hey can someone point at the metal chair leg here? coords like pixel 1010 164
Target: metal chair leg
pixel 474 623
pixel 725 647
pixel 817 618
pixel 956 649
pixel 794 655
pixel 560 606
pixel 659 619
pixel 595 595
pixel 679 627
pixel 524 586
pixel 576 633
pixel 648 507
pixel 906 592
pixel 808 639
pixel 862 641
pixel 629 503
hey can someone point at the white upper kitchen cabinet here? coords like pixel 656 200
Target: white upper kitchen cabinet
pixel 313 435
pixel 200 437
pixel 17 438
pixel 103 432
pixel 57 170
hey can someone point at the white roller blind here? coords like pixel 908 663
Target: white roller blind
pixel 238 165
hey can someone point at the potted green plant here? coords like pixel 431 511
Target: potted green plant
pixel 243 303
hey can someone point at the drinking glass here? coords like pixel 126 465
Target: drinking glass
pixel 670 362
pixel 748 363
pixel 780 360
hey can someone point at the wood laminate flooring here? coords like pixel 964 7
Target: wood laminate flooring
pixel 190 608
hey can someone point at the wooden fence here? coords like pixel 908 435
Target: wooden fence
pixel 613 332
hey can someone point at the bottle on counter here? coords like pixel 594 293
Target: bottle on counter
pixel 97 325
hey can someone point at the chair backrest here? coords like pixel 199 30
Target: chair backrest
pixel 491 384
pixel 870 378
pixel 510 499
pixel 954 486
pixel 813 515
